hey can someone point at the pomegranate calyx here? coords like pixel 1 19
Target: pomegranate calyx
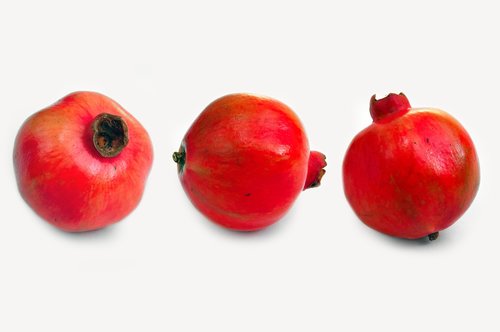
pixel 433 236
pixel 315 170
pixel 391 106
pixel 110 134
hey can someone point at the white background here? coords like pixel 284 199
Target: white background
pixel 165 267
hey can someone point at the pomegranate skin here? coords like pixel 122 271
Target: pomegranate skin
pixel 244 161
pixel 413 172
pixel 62 175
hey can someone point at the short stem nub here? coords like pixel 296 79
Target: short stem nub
pixel 180 159
pixel 110 134
pixel 433 236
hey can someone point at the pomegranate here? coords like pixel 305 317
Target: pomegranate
pixel 82 163
pixel 245 160
pixel 413 172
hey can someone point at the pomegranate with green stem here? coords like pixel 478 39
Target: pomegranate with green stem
pixel 245 160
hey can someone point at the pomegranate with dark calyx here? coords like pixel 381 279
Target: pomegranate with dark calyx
pixel 413 172
pixel 82 163
pixel 245 160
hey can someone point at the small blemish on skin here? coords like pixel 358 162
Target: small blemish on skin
pixel 427 140
pixel 248 194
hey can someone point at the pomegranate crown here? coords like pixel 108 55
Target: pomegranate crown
pixel 391 106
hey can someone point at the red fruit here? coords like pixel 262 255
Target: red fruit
pixel 245 160
pixel 413 172
pixel 82 163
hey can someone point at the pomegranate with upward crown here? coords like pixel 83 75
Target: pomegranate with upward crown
pixel 413 172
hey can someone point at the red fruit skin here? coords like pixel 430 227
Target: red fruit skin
pixel 246 161
pixel 64 179
pixel 411 173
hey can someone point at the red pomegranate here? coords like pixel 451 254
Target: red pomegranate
pixel 413 172
pixel 82 163
pixel 245 160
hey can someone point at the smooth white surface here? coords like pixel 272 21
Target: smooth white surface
pixel 166 268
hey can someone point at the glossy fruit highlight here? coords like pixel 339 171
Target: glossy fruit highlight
pixel 413 172
pixel 82 163
pixel 245 160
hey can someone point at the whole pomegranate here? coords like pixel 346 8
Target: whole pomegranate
pixel 82 163
pixel 245 160
pixel 413 172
